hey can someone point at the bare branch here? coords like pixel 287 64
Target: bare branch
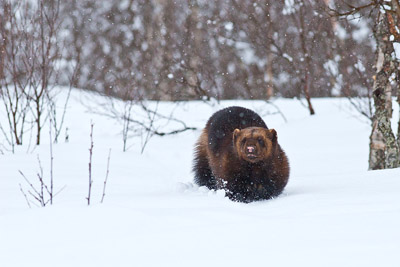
pixel 90 164
pixel 25 196
pixel 51 166
pixel 353 9
pixel 105 180
pixel 29 183
pixel 279 111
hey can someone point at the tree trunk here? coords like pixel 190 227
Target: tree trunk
pixel 393 30
pixel 307 59
pixel 398 102
pixel 384 152
pixel 398 123
pixel 270 56
pixel 270 77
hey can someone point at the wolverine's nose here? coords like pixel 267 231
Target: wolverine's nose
pixel 250 149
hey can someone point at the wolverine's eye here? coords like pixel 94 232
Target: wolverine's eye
pixel 261 141
pixel 244 140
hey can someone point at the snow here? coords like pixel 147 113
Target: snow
pixel 363 32
pixel 287 57
pixel 340 32
pixel 333 212
pixel 289 7
pixel 396 47
pixel 229 26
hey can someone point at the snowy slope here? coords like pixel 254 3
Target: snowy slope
pixel 333 212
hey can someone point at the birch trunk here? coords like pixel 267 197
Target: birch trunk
pixel 384 152
pixel 398 123
pixel 396 8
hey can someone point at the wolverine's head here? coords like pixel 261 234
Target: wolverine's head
pixel 254 144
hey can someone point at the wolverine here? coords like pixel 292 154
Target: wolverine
pixel 238 153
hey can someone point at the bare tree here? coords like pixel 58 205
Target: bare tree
pixel 193 49
pixel 384 148
pixel 307 59
pixel 14 75
pixel 46 52
pixel 56 121
pixel 44 192
pixel 384 151
pixel 137 116
pixel 30 48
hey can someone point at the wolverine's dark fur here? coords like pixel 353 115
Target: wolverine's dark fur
pixel 223 158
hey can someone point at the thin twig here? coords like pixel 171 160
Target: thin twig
pixel 148 135
pixel 105 180
pixel 278 110
pixel 29 183
pixel 353 9
pixel 126 118
pixel 51 165
pixel 42 185
pixel 37 198
pixel 90 163
pixel 146 125
pixel 39 194
pixel 59 191
pixel 26 197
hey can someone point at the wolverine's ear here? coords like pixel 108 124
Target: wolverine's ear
pixel 273 134
pixel 235 134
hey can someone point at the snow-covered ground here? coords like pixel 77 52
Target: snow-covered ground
pixel 333 212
